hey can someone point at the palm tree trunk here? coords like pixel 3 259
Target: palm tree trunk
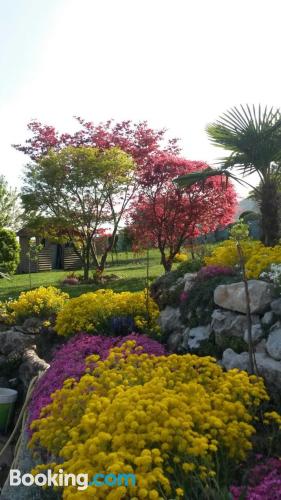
pixel 270 202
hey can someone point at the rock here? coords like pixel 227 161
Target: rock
pixel 270 369
pixel 185 337
pixel 261 346
pixel 160 288
pixel 178 284
pixel 233 296
pixel 174 341
pixel 32 365
pixel 196 336
pixel 273 344
pixel 227 324
pixel 268 318
pixel 170 320
pixel 276 306
pixel 189 280
pixel 230 360
pixel 25 461
pixel 13 341
pixel 257 333
pixel 32 325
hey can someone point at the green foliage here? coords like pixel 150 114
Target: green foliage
pixel 190 266
pixel 82 188
pixel 239 231
pixel 9 251
pixel 9 206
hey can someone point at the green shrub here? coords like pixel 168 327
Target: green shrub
pixel 190 266
pixel 9 251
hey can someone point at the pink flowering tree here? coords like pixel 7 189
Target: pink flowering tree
pixel 167 216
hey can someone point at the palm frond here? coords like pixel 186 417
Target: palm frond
pixel 252 136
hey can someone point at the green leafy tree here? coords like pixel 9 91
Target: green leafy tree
pixel 83 189
pixel 9 251
pixel 253 138
pixel 10 213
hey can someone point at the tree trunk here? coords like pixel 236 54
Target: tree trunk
pixel 108 249
pixel 270 201
pixel 166 263
pixel 85 271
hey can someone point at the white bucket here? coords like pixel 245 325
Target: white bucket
pixel 7 402
pixel 8 395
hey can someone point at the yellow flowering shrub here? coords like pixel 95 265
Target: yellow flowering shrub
pixel 161 418
pixel 181 257
pixel 91 311
pixel 258 257
pixel 42 302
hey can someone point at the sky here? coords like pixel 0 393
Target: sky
pixel 178 64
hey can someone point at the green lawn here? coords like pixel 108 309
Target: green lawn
pixel 130 268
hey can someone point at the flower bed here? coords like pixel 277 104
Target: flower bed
pixel 171 420
pixel 264 481
pixel 96 312
pixel 43 302
pixel 257 256
pixel 69 362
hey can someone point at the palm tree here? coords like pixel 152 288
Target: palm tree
pixel 253 138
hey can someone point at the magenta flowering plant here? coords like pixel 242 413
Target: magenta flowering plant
pixel 69 362
pixel 184 296
pixel 264 481
pixel 208 272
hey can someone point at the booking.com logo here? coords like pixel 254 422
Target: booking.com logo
pixel 81 481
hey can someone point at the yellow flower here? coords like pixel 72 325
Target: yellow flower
pixel 122 416
pixel 180 492
pixel 91 312
pixel 42 302
pixel 257 256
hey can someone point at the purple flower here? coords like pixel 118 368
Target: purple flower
pixel 69 362
pixel 183 296
pixel 264 481
pixel 208 272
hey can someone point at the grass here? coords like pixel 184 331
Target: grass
pixel 130 268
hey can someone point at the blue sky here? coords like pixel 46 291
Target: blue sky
pixel 176 63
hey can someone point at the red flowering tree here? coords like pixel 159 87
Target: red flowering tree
pixel 167 216
pixel 138 140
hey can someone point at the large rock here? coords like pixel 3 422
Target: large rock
pixel 268 368
pixel 276 306
pixel 261 347
pixel 273 344
pixel 233 296
pixel 32 325
pixel 170 320
pixel 31 366
pixel 174 341
pixel 227 324
pixel 257 333
pixel 189 281
pixel 230 360
pixel 268 318
pixel 13 341
pixel 193 337
pixel 25 461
